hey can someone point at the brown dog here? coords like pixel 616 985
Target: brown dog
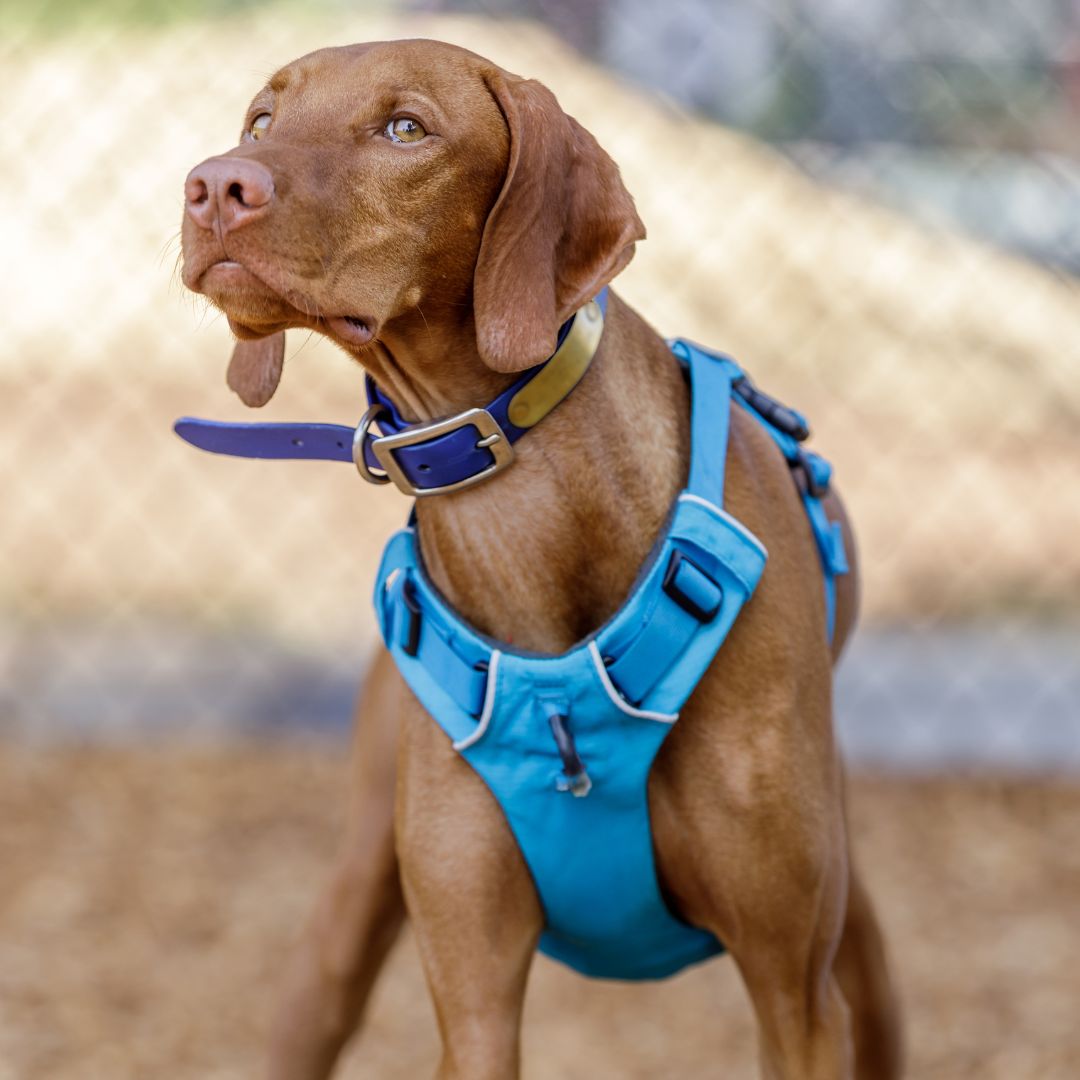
pixel 439 218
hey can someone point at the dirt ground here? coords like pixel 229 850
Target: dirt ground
pixel 148 897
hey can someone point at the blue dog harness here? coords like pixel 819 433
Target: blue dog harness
pixel 565 743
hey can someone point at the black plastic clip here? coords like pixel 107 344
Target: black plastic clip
pixel 412 635
pixel 483 668
pixel 676 568
pixel 768 408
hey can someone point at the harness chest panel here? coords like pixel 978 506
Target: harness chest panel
pixel 527 723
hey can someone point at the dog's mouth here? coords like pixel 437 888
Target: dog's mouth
pixel 227 275
pixel 352 329
pixel 248 299
pixel 242 294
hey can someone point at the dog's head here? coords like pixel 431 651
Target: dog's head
pixel 375 180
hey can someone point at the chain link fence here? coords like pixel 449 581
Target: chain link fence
pixel 874 205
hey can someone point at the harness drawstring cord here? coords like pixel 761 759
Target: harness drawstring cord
pixel 577 780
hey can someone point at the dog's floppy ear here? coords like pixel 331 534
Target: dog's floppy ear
pixel 255 368
pixel 562 227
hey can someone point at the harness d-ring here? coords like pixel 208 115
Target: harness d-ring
pixel 359 441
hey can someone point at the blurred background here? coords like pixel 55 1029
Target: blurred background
pixel 873 204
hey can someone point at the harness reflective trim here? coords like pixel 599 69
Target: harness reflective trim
pixel 617 699
pixel 566 742
pixel 489 704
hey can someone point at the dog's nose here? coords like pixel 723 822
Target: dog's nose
pixel 227 193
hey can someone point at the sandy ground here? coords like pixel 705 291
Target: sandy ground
pixel 147 899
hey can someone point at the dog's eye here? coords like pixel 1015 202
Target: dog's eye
pixel 404 129
pixel 259 126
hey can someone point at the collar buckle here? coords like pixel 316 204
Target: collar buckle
pixel 490 436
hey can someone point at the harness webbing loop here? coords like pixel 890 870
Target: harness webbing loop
pixel 421 637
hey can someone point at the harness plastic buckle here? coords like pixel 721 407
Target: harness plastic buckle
pixel 411 644
pixel 691 588
pixel 768 408
pixel 802 464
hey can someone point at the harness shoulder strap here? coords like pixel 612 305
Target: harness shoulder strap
pixel 710 409
pixel 709 558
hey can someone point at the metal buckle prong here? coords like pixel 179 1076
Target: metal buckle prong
pixel 492 437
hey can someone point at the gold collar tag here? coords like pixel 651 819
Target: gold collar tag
pixel 562 372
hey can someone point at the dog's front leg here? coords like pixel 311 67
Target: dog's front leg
pixel 784 950
pixel 749 826
pixel 471 900
pixel 361 910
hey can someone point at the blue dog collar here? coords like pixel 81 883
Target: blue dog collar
pixel 429 458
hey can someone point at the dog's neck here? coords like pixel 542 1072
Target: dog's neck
pixel 428 365
pixel 543 553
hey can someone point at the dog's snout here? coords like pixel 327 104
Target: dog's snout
pixel 226 193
